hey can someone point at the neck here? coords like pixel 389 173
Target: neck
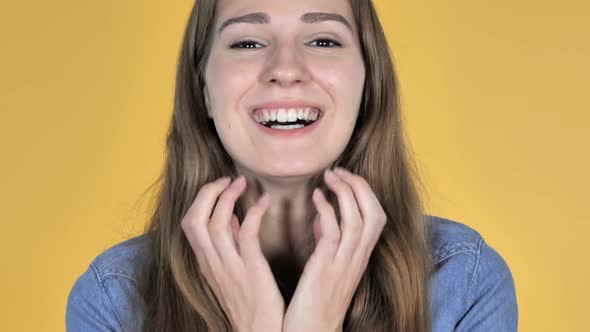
pixel 286 231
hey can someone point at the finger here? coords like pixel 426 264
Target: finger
pixel 351 224
pixel 219 225
pixel 372 213
pixel 317 231
pixel 248 239
pixel 194 223
pixel 235 229
pixel 330 232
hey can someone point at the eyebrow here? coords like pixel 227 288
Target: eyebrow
pixel 263 18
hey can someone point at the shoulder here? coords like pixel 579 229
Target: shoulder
pixel 473 287
pixel 108 295
pixel 128 259
pixel 448 237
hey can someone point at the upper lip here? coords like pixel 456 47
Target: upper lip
pixel 291 103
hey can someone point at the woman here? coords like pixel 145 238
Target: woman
pixel 270 94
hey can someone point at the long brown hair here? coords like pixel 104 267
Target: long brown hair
pixel 394 293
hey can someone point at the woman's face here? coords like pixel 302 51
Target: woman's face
pixel 290 55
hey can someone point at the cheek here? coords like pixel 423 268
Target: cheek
pixel 226 86
pixel 343 80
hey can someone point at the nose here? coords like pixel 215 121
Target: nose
pixel 286 66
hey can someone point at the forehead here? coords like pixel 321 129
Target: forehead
pixel 282 11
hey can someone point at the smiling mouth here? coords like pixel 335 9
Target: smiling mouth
pixel 289 119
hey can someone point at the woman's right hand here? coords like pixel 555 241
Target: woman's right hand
pixel 230 256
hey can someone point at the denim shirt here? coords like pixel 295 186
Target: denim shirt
pixel 472 286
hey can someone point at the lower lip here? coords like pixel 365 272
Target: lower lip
pixel 288 133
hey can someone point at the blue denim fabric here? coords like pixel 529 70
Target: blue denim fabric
pixel 472 286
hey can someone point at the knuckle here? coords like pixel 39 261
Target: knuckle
pixel 187 224
pixel 333 241
pixel 382 218
pixel 334 238
pixel 184 223
pixel 215 229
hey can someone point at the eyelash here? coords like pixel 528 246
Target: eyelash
pixel 236 44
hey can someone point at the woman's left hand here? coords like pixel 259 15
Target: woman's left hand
pixel 332 273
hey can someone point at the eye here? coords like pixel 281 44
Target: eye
pixel 324 40
pixel 242 43
pixel 248 44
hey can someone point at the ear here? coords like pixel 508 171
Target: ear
pixel 207 104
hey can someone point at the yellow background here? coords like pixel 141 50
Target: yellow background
pixel 495 95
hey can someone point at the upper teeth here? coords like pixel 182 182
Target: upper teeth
pixel 286 114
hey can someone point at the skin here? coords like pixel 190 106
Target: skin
pixel 233 257
pixel 287 63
